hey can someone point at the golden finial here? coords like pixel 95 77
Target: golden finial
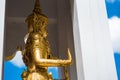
pixel 37 8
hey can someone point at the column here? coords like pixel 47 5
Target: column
pixel 2 15
pixel 94 53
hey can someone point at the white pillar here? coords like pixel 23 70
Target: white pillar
pixel 2 15
pixel 92 41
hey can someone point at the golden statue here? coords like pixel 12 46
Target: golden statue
pixel 37 55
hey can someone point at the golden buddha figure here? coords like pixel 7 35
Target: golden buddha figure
pixel 37 55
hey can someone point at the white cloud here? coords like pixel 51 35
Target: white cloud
pixel 17 60
pixel 110 1
pixel 114 24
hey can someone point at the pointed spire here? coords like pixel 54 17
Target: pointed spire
pixel 37 8
pixel 37 3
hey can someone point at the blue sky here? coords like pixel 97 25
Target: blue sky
pixel 113 8
pixel 113 11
